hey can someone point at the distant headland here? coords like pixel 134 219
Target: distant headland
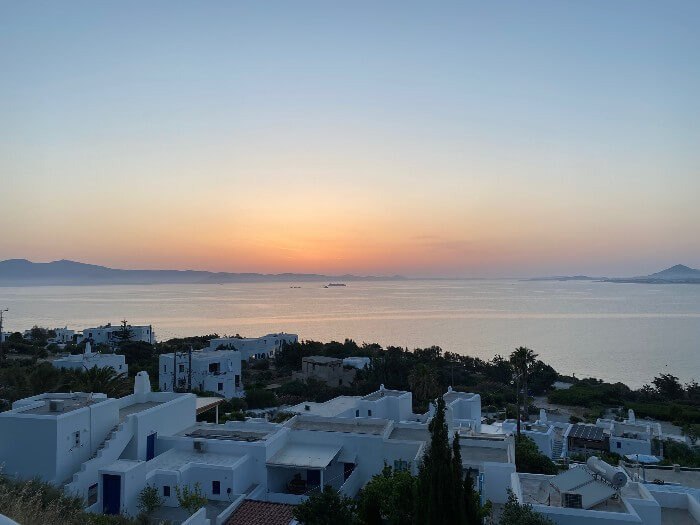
pixel 21 272
pixel 678 274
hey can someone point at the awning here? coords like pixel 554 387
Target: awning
pixel 207 403
pixel 347 456
pixel 304 455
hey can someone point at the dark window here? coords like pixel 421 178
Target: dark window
pixel 165 368
pixel 340 382
pixel 357 413
pixel 221 386
pixel 215 487
pixel 166 491
pixel 369 413
pixel 214 367
pixel 92 494
pixel 181 367
pixel 619 445
pixel 237 380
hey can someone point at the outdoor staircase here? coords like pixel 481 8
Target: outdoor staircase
pixel 106 440
pixel 557 447
pixel 109 451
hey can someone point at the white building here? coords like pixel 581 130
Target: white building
pixel 62 336
pixel 89 359
pixel 109 334
pixel 357 362
pixel 254 347
pixel 600 494
pixel 4 336
pixel 72 439
pixel 217 371
pixel 630 436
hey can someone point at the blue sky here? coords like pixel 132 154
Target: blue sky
pixel 452 138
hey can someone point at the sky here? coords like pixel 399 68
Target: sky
pixel 392 137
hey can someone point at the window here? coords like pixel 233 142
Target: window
pixel 237 380
pixel 619 445
pixel 181 367
pixel 92 494
pixel 400 464
pixel 165 368
pixel 214 368
pixel 221 386
pixel 357 413
pixel 76 438
pixel 340 382
pixel 369 413
pixel 216 487
pixel 166 491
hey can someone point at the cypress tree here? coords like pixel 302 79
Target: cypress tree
pixel 434 487
pixel 457 503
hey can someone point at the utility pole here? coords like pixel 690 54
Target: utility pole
pixel 189 371
pixel 174 370
pixel 2 340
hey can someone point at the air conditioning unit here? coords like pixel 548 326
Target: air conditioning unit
pixel 200 446
pixel 56 405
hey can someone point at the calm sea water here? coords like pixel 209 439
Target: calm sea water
pixel 617 332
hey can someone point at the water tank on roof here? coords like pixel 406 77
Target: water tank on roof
pixel 609 473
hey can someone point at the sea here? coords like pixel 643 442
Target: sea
pixel 615 332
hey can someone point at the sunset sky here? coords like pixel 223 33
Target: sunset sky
pixel 372 137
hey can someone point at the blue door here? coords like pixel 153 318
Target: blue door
pixel 151 446
pixel 111 493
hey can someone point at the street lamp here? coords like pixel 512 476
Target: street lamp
pixel 2 339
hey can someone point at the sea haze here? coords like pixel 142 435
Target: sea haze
pixel 617 332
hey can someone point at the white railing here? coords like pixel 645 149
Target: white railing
pixel 352 485
pixel 198 518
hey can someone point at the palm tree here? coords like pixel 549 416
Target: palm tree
pixel 103 380
pixel 423 382
pixel 522 359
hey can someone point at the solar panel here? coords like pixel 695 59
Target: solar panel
pixel 571 479
pixel 590 432
pixel 594 493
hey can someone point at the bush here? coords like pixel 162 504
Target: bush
pixel 260 398
pixel 149 500
pixel 190 500
pixel 528 458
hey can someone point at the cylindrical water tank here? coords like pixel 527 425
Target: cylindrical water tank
pixel 613 476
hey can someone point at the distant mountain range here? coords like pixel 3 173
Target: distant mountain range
pixel 678 274
pixel 675 274
pixel 21 272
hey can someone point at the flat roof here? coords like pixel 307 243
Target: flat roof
pixel 355 425
pixel 225 434
pixel 330 408
pixel 677 517
pixel 410 434
pixel 304 455
pixel 178 459
pixel 588 432
pixel 135 408
pixel 449 397
pixel 322 359
pixel 70 404
pixel 686 477
pixel 471 454
pixel 374 396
